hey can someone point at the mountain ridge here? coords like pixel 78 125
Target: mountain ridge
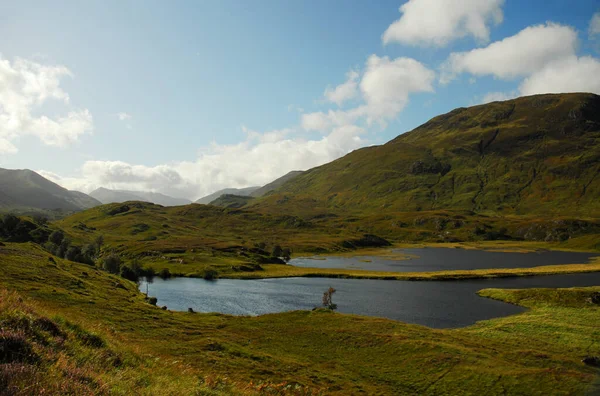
pixel 530 155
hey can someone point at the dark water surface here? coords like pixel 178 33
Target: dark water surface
pixel 445 259
pixel 438 304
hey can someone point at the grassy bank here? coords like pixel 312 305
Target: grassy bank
pixel 314 352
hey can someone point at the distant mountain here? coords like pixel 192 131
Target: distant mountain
pixel 536 155
pixel 275 184
pixel 24 190
pixel 232 201
pixel 243 192
pixel 106 195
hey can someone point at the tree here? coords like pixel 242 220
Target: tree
pixel 99 241
pixel 327 301
pixel 286 254
pixel 277 251
pixel 112 263
pixel 40 219
pixel 89 252
pixel 128 273
pixel 56 237
pixel 63 247
pixel 73 254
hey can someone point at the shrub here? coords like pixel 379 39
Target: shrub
pixel 56 237
pixel 153 300
pixel 327 299
pixel 210 274
pixel 277 251
pixel 74 254
pixel 112 264
pixel 129 274
pixel 164 273
pixel 14 347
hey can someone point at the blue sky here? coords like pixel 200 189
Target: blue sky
pixel 188 97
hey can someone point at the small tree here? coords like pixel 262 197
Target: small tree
pixel 99 241
pixel 277 251
pixel 63 247
pixel 112 264
pixel 129 274
pixel 73 253
pixel 56 237
pixel 327 301
pixel 286 254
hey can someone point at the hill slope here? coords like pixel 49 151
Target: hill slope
pixel 244 192
pixel 106 196
pixel 275 184
pixel 23 189
pixel 532 155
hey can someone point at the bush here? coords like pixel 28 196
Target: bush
pixel 112 264
pixel 14 347
pixel 153 300
pixel 74 254
pixel 129 274
pixel 210 274
pixel 56 237
pixel 165 273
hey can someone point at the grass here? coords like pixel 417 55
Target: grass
pixel 301 352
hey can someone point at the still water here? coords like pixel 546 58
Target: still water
pixel 443 259
pixel 440 304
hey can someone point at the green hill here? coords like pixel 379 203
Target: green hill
pixel 537 155
pixel 231 201
pixel 23 190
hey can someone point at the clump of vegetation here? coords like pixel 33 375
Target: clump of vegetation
pixel 327 299
pixel 112 263
pixel 210 274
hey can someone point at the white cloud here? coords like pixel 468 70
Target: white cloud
pixel 438 22
pixel 384 88
pixel 386 85
pixel 515 56
pixel 24 87
pixel 344 92
pixel 258 160
pixel 571 74
pixel 498 97
pixel 124 116
pixel 594 28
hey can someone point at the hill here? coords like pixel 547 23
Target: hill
pixel 231 201
pixel 106 196
pixel 275 184
pixel 232 191
pixel 537 155
pixel 23 190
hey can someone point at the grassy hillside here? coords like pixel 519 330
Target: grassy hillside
pixel 537 155
pixel 22 190
pixel 235 191
pixel 267 188
pixel 91 332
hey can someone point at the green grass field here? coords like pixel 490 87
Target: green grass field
pixel 152 351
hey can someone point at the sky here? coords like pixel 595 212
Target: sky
pixel 189 97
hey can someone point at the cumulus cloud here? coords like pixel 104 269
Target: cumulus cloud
pixel 24 87
pixel 386 85
pixel 515 56
pixel 594 29
pixel 438 22
pixel 571 74
pixel 384 88
pixel 344 92
pixel 258 160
